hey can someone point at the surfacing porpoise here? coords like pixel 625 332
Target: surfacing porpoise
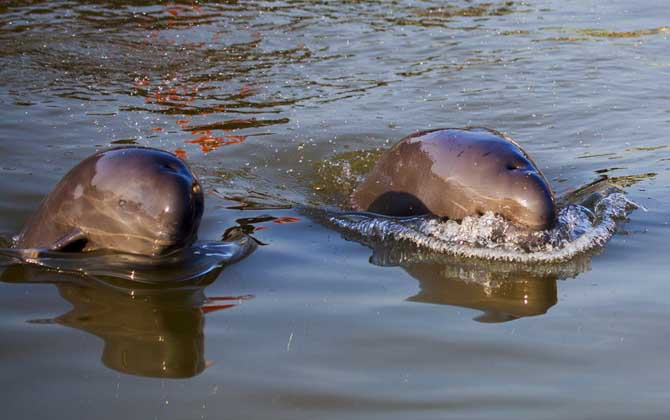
pixel 135 200
pixel 456 173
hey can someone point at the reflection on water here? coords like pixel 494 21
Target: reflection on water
pixel 148 330
pixel 504 291
pixel 149 311
pixel 500 297
pixel 475 276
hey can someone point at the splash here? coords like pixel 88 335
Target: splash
pixel 581 227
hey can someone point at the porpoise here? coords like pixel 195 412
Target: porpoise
pixel 134 199
pixel 456 173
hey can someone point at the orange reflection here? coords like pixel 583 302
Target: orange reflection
pixel 286 219
pixel 212 308
pixel 208 143
pixel 207 307
pixel 247 91
pixel 141 82
pixel 181 97
pixel 181 153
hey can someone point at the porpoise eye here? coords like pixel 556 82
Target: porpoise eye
pixel 512 166
pixel 122 203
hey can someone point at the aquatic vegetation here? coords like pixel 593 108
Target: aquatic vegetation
pixel 601 33
pixel 477 10
pixel 562 39
pixel 336 178
pixel 587 34
pixel 440 16
pixel 628 180
pixel 648 148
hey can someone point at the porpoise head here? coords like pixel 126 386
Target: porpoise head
pixel 136 200
pixel 488 171
pixel 456 173
pixel 526 198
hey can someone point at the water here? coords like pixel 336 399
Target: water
pixel 577 230
pixel 269 101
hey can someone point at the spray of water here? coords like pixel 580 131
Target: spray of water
pixel 581 227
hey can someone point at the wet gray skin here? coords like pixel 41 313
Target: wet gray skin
pixel 135 200
pixel 456 173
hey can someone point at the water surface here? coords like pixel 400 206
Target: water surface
pixel 268 101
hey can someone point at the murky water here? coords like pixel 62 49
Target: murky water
pixel 275 105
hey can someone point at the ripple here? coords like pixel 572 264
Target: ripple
pixel 181 267
pixel 581 227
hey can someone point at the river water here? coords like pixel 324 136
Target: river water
pixel 276 106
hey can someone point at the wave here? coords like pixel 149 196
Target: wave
pixel 586 220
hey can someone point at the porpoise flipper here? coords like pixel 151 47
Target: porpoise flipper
pixel 74 240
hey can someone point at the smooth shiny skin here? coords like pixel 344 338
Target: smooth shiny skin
pixel 456 173
pixel 135 200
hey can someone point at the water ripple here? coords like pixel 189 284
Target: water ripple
pixel 579 229
pixel 181 267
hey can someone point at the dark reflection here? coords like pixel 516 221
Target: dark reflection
pixel 149 311
pixel 501 299
pixel 502 291
pixel 147 330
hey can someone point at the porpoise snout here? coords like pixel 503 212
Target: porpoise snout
pixel 182 203
pixel 535 206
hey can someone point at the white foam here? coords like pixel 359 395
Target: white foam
pixel 490 237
